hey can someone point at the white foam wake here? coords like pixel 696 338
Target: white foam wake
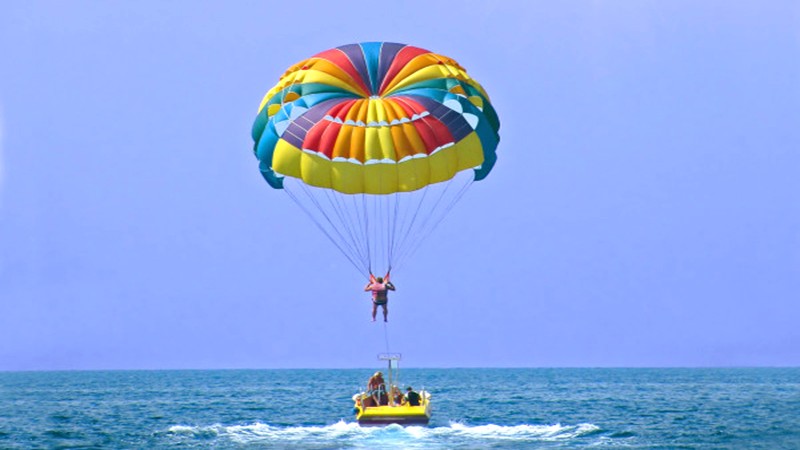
pixel 350 434
pixel 525 432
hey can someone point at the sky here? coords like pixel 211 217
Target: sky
pixel 643 212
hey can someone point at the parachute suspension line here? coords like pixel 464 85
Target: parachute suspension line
pixel 353 213
pixel 381 231
pixel 407 227
pixel 457 199
pixel 439 220
pixel 376 229
pixel 420 231
pixel 362 230
pixel 319 225
pixel 394 232
pixel 407 221
pixel 404 236
pixel 436 205
pixel 398 225
pixel 366 232
pixel 381 228
pixel 392 240
pixel 342 243
pixel 343 230
pixel 380 248
pixel 341 211
pixel 363 226
pixel 357 226
pixel 387 230
pixel 391 227
pixel 386 336
pixel 316 201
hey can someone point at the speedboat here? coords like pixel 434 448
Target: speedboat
pixel 391 407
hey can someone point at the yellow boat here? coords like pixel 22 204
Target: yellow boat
pixel 392 411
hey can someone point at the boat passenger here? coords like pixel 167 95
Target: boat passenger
pixel 380 296
pixel 376 388
pixel 412 397
pixel 396 396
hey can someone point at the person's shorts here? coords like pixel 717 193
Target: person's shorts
pixel 380 301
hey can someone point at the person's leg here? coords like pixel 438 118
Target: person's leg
pixel 385 312
pixel 374 310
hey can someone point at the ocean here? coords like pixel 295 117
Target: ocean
pixel 756 408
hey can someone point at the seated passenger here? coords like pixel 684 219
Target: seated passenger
pixel 412 397
pixel 396 396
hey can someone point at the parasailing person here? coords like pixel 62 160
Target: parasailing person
pixel 380 288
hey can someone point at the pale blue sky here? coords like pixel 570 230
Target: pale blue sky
pixel 644 209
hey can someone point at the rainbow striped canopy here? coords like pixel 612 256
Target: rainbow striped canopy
pixel 375 118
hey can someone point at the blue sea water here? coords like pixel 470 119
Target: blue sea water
pixel 473 409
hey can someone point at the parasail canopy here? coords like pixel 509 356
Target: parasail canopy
pixel 376 142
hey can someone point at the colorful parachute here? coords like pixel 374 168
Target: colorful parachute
pixel 369 140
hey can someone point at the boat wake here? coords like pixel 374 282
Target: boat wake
pixel 351 435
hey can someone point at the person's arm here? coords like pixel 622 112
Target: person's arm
pixel 368 286
pixel 390 286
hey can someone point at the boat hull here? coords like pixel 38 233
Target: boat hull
pixel 389 414
pixel 402 415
